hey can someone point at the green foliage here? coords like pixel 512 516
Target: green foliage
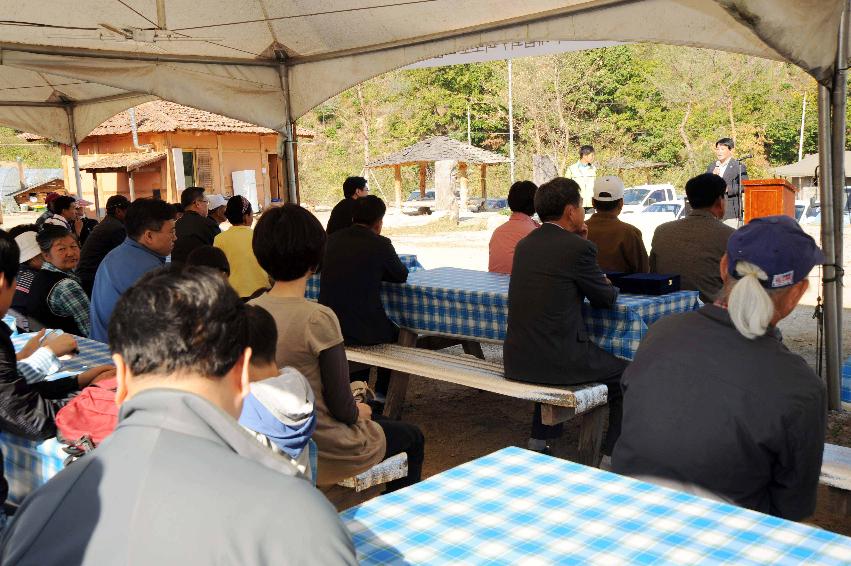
pixel 637 102
pixel 36 156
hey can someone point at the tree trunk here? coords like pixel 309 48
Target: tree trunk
pixel 364 124
pixel 682 129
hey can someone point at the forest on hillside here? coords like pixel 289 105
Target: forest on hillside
pixel 637 102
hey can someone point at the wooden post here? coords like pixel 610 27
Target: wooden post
pixel 170 172
pixel 464 188
pixel 484 180
pixel 422 180
pixel 97 196
pixel 131 186
pixel 397 185
pixel 398 386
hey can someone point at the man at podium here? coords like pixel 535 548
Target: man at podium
pixel 733 172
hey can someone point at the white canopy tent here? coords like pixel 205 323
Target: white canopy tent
pixel 269 63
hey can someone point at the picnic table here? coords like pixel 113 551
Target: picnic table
pixel 473 305
pixel 520 507
pixel 28 464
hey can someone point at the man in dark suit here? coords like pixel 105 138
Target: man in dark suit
pixel 733 172
pixel 341 215
pixel 357 260
pixel 555 269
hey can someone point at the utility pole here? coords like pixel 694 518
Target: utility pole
pixel 510 123
pixel 801 139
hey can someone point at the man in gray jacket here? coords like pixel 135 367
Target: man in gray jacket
pixel 179 481
pixel 692 246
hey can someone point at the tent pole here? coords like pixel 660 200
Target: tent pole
pixel 838 103
pixel 288 135
pixel 75 156
pixel 829 291
pixel 510 122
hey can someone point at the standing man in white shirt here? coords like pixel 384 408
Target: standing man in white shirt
pixel 733 172
pixel 584 173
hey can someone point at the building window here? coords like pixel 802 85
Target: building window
pixel 189 168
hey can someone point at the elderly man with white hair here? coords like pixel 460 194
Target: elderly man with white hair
pixel 714 403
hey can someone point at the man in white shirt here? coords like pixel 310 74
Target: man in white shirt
pixel 584 173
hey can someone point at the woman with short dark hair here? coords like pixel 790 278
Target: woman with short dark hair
pixel 289 243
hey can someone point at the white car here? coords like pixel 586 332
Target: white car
pixel 653 216
pixel 636 199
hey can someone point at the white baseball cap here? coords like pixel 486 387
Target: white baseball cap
pixel 28 245
pixel 215 201
pixel 608 188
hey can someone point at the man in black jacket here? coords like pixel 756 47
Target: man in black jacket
pixel 555 269
pixel 357 260
pixel 341 216
pixel 194 229
pixel 103 239
pixel 733 172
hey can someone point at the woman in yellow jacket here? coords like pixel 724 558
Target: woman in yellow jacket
pixel 246 275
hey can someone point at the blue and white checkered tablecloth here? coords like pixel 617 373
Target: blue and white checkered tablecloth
pixel 519 507
pixel 30 464
pixel 469 304
pixel 410 261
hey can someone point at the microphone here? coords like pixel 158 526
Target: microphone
pixel 746 156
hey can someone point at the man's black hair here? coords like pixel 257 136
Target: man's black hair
pixel 726 141
pixel 147 214
pixel 16 231
pixel 190 195
pixel 49 234
pixel 553 196
pixel 63 203
pixel 351 185
pixel 368 210
pixel 115 203
pixel 585 150
pixel 178 208
pixel 702 191
pixel 10 255
pixel 262 335
pixel 209 256
pixel 288 241
pixel 236 209
pixel 179 319
pixel 521 197
pixel 605 205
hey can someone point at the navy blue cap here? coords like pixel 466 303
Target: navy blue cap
pixel 778 246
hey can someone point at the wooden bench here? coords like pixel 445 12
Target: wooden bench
pixel 366 485
pixel 559 403
pixel 836 475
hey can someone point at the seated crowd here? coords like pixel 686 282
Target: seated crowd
pixel 212 329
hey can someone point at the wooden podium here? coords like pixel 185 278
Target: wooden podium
pixel 768 197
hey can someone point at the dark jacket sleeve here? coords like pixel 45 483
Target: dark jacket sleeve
pixel 591 280
pixel 394 270
pixel 795 477
pixel 23 410
pixel 334 370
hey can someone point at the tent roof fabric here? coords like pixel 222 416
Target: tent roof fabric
pixel 266 62
pixel 439 148
pixel 806 167
pixel 123 161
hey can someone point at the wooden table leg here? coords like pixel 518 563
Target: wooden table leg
pixel 473 348
pixel 591 436
pixel 398 386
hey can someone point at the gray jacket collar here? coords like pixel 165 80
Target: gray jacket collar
pixel 192 415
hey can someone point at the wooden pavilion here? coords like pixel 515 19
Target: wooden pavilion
pixel 438 148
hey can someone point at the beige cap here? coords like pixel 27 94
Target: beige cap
pixel 608 188
pixel 28 245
